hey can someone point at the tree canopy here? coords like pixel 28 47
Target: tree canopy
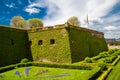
pixel 73 21
pixel 18 22
pixel 35 22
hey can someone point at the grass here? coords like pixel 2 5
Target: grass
pixel 50 74
pixel 115 73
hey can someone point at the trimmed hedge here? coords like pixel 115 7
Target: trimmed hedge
pixel 7 68
pixel 116 60
pixel 95 73
pixel 105 74
pixel 96 57
pixel 65 66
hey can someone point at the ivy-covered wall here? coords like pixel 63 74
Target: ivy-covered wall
pixel 84 43
pixel 63 45
pixel 13 46
pixel 57 52
pixel 71 44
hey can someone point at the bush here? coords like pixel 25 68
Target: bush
pixel 88 60
pixel 102 64
pixel 25 60
pixel 108 60
pixel 111 51
pixel 117 52
pixel 103 54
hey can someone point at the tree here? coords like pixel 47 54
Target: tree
pixel 18 22
pixel 35 22
pixel 21 24
pixel 73 21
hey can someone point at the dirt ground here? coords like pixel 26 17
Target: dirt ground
pixel 113 47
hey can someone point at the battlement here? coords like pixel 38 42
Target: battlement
pixel 93 32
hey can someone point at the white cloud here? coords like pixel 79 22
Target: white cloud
pixel 58 11
pixel 63 9
pixel 12 5
pixel 112 31
pixel 32 10
pixel 113 18
pixel 110 28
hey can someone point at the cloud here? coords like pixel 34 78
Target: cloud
pixel 58 11
pixel 12 5
pixel 110 28
pixel 112 31
pixel 32 10
pixel 61 10
pixel 113 19
pixel 33 7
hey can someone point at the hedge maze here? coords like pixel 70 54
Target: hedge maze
pixel 98 69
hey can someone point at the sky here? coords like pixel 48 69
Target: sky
pixel 103 15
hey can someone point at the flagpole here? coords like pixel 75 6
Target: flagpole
pixel 87 20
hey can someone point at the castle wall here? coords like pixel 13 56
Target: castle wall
pixel 62 44
pixel 43 50
pixel 85 43
pixel 13 45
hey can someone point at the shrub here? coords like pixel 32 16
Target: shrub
pixel 111 51
pixel 108 60
pixel 25 60
pixel 115 54
pixel 102 64
pixel 88 60
pixel 103 54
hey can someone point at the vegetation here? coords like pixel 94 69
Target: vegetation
pixel 13 46
pixel 35 22
pixel 43 73
pixel 44 68
pixel 88 60
pixel 88 48
pixel 114 43
pixel 115 73
pixel 41 64
pixel 102 65
pixel 57 52
pixel 18 22
pixel 73 21
pixel 64 51
pixel 24 60
pixel 103 54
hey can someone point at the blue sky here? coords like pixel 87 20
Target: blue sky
pixel 104 15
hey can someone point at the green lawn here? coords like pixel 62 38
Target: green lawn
pixel 44 73
pixel 115 73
